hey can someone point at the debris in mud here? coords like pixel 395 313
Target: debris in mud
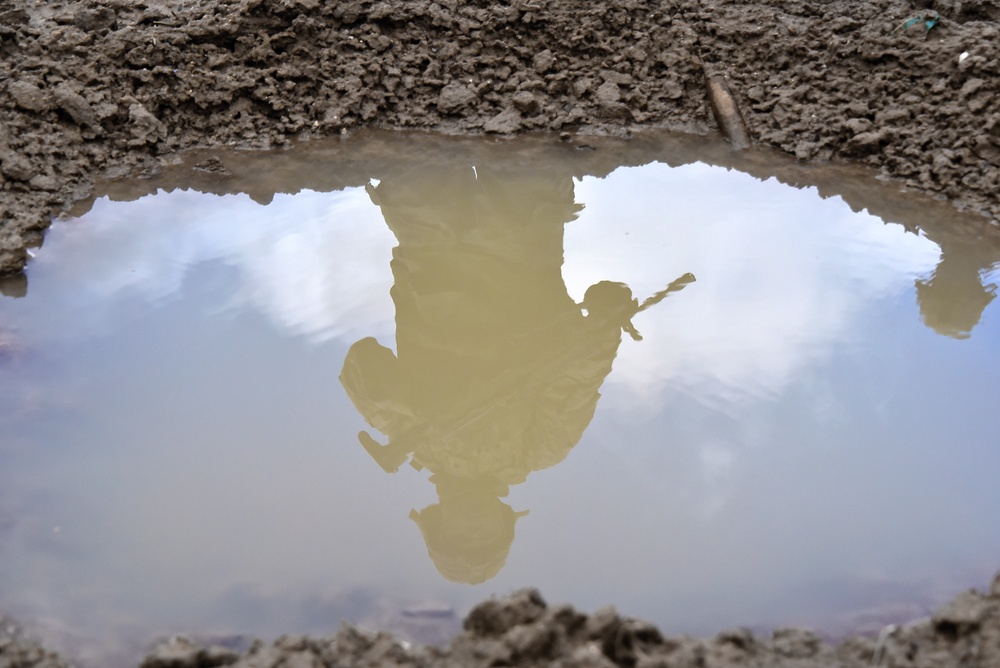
pixel 727 112
pixel 106 87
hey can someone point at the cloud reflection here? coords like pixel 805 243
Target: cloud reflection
pixel 782 274
pixel 316 264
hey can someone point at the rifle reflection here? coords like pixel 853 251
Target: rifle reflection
pixel 497 369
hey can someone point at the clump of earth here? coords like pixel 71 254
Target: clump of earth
pixel 102 89
pixel 522 630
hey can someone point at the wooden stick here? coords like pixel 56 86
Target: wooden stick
pixel 727 112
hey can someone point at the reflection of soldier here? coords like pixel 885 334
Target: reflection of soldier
pixel 953 300
pixel 497 369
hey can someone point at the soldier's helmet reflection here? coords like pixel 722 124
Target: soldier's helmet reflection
pixel 497 370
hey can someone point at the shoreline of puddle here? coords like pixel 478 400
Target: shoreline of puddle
pixel 100 88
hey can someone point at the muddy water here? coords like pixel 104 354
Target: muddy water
pixel 711 398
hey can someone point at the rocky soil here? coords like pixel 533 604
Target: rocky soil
pixel 100 90
pixel 522 630
pixel 109 88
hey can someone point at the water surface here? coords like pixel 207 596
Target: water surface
pixel 710 398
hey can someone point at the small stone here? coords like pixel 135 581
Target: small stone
pixel 971 87
pixel 264 656
pixel 865 143
pixel 583 86
pixel 525 102
pixel 175 653
pixel 29 97
pixel 455 97
pixel 796 643
pixel 858 125
pixel 44 182
pixel 742 639
pixel 531 641
pixel 805 150
pixel 15 166
pixel 962 615
pixel 497 616
pixel 87 19
pixel 620 78
pixel 75 106
pixel 979 102
pixel 291 642
pixel 893 115
pixel 608 94
pixel 755 94
pixel 217 655
pixel 590 656
pixel 144 126
pixel 12 260
pixel 543 61
pixel 601 622
pixel 506 122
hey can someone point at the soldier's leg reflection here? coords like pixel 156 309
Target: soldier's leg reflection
pixel 498 370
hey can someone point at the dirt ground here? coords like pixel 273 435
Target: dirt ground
pixel 109 88
pixel 522 630
pixel 100 90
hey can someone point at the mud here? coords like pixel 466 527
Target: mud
pixel 106 90
pixel 109 88
pixel 522 630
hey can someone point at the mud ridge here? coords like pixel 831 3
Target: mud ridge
pixel 522 630
pixel 110 88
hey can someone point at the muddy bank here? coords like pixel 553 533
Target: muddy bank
pixel 108 88
pixel 522 630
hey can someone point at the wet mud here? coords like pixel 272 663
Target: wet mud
pixel 96 93
pixel 523 630
pixel 108 88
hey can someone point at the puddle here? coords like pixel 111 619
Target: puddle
pixel 795 426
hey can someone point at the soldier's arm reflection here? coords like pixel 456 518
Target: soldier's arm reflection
pixel 497 370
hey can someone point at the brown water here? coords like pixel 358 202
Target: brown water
pixel 710 398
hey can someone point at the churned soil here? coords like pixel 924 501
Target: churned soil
pixel 101 89
pixel 522 630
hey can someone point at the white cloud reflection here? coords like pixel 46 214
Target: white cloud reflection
pixel 783 277
pixel 316 264
pixel 781 272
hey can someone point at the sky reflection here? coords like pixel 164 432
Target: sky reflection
pixel 771 451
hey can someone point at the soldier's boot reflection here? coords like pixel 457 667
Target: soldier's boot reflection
pixel 388 457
